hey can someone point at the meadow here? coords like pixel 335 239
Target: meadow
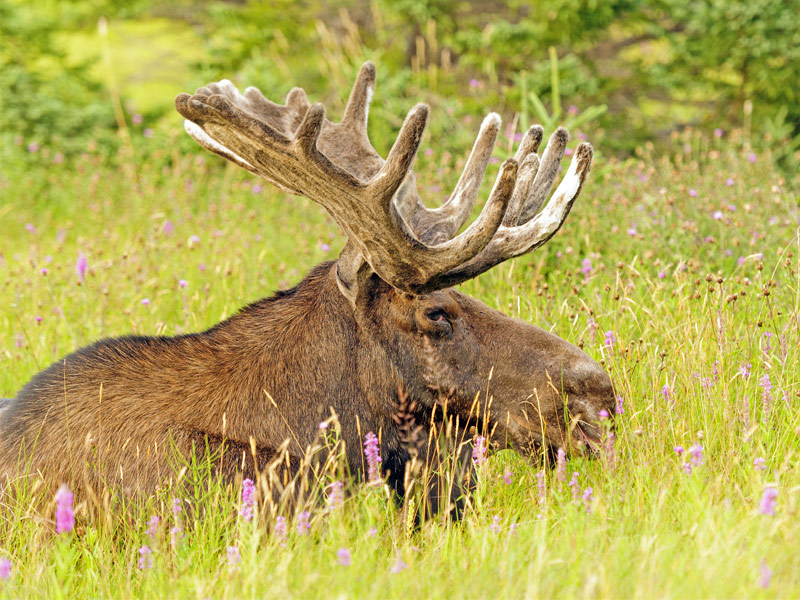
pixel 678 269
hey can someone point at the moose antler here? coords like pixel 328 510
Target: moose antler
pixel 375 202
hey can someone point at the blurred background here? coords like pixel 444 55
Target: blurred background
pixel 83 76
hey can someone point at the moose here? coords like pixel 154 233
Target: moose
pixel 345 339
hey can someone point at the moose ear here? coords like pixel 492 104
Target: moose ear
pixel 352 272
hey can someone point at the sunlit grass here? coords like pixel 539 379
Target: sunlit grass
pixel 690 260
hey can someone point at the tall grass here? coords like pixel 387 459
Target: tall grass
pixel 680 272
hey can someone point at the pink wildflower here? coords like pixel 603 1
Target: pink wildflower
pixel 65 514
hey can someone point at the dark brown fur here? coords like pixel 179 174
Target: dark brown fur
pixel 111 413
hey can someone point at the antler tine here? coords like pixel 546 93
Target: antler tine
pixel 440 224
pixel 530 142
pixel 546 175
pixel 357 110
pixel 509 242
pixel 401 157
pixel 527 172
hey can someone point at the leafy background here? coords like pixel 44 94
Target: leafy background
pixel 658 65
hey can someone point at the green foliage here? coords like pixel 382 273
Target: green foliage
pixel 46 99
pixel 656 65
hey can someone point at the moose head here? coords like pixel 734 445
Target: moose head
pixel 383 317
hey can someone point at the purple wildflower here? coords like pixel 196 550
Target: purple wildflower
pixel 136 119
pixel 33 147
pixel 145 558
pixel 766 385
pixel 667 393
pixel 280 528
pixel 30 227
pixel 344 557
pixel 693 192
pixel 148 132
pixel 574 487
pixel 744 371
pixel 248 500
pixel 717 215
pixel 167 228
pixel 610 338
pixel 587 499
pixel 603 414
pixel 495 526
pixel 479 451
pixel 687 468
pixel 769 499
pixel 176 506
pixel 697 455
pixel 398 566
pixel 182 283
pixel 540 484
pixel 5 568
pixel 81 265
pixel 759 464
pixel 303 522
pixel 508 476
pixel 65 514
pixel 256 189
pixel 175 536
pixel 474 83
pixel 152 527
pixel 718 132
pixel 561 465
pixel 324 247
pixel 372 453
pixel 512 529
pixel 234 558
pixel 729 181
pixel 751 157
pixel 764 575
pixel 335 494
pixel 619 408
pixel 678 450
pixel 372 532
pixel 586 267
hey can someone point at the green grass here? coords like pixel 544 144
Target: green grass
pixel 664 274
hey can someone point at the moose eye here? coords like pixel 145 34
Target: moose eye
pixel 437 323
pixel 437 315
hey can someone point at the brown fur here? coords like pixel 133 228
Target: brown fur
pixel 313 353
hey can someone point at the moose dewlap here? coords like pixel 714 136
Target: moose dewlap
pixel 378 325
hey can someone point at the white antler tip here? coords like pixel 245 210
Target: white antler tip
pixel 491 120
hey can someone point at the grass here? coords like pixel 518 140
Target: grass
pixel 689 258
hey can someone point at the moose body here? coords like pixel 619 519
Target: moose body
pixel 343 341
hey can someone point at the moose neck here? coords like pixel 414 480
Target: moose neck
pixel 294 359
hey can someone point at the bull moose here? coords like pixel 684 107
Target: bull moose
pixel 351 334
